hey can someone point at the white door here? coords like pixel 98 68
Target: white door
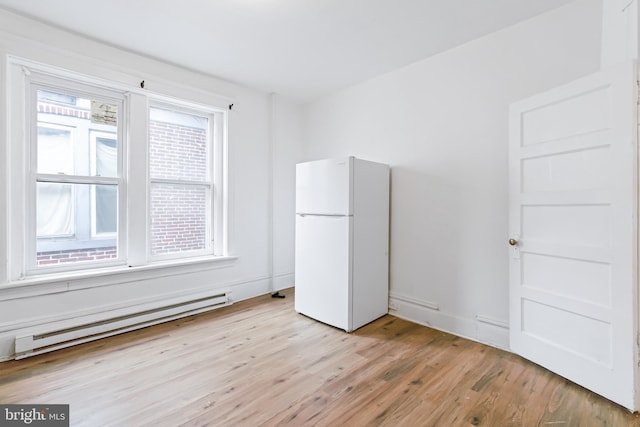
pixel 323 268
pixel 572 208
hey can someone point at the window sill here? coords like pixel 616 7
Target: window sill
pixel 68 281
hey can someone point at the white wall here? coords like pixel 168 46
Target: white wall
pixel 250 205
pixel 287 151
pixel 442 125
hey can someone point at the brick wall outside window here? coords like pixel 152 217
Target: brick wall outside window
pixel 178 212
pixel 75 255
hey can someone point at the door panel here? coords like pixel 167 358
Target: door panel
pixel 322 263
pixel 574 333
pixel 583 169
pixel 572 207
pixel 579 225
pixel 589 112
pixel 573 278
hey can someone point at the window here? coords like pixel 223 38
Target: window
pixel 180 182
pixel 76 176
pixel 84 186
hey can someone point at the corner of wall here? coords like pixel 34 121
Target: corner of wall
pixel 483 329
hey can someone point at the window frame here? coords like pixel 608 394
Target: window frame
pixel 211 214
pixel 133 213
pixel 34 82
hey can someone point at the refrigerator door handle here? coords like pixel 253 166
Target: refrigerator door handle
pixel 304 214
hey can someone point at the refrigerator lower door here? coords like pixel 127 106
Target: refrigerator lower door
pixel 322 263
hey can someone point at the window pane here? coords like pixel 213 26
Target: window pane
pixel 54 210
pixel 178 218
pixel 65 123
pixel 55 150
pixel 177 145
pixel 106 209
pixel 64 214
pixel 106 157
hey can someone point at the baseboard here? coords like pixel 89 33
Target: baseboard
pixel 283 281
pixel 483 329
pixel 493 332
pixel 249 288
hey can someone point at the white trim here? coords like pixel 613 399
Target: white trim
pixel 636 248
pixel 17 113
pixel 215 105
pixel 492 321
pixel 483 329
pixel 138 207
pixel 85 279
pixel 271 138
pixel 282 281
pixel 221 185
pixel 5 236
pixel 636 233
pixel 415 301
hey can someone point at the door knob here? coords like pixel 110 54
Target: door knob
pixel 513 242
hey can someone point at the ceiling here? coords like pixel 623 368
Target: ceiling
pixel 301 49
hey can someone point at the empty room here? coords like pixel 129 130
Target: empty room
pixel 319 212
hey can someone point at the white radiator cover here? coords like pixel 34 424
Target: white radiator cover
pixel 45 338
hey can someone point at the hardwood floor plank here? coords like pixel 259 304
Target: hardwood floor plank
pixel 258 362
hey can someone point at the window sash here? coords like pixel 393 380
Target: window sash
pixel 206 182
pixel 41 82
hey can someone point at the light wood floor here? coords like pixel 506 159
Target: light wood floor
pixel 257 362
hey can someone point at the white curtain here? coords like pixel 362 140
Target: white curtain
pixel 54 209
pixel 106 157
pixel 54 202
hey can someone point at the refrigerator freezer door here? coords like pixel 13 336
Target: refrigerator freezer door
pixel 322 263
pixel 323 187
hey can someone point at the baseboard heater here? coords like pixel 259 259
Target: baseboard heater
pixel 49 338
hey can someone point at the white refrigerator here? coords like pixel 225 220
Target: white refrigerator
pixel 342 241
